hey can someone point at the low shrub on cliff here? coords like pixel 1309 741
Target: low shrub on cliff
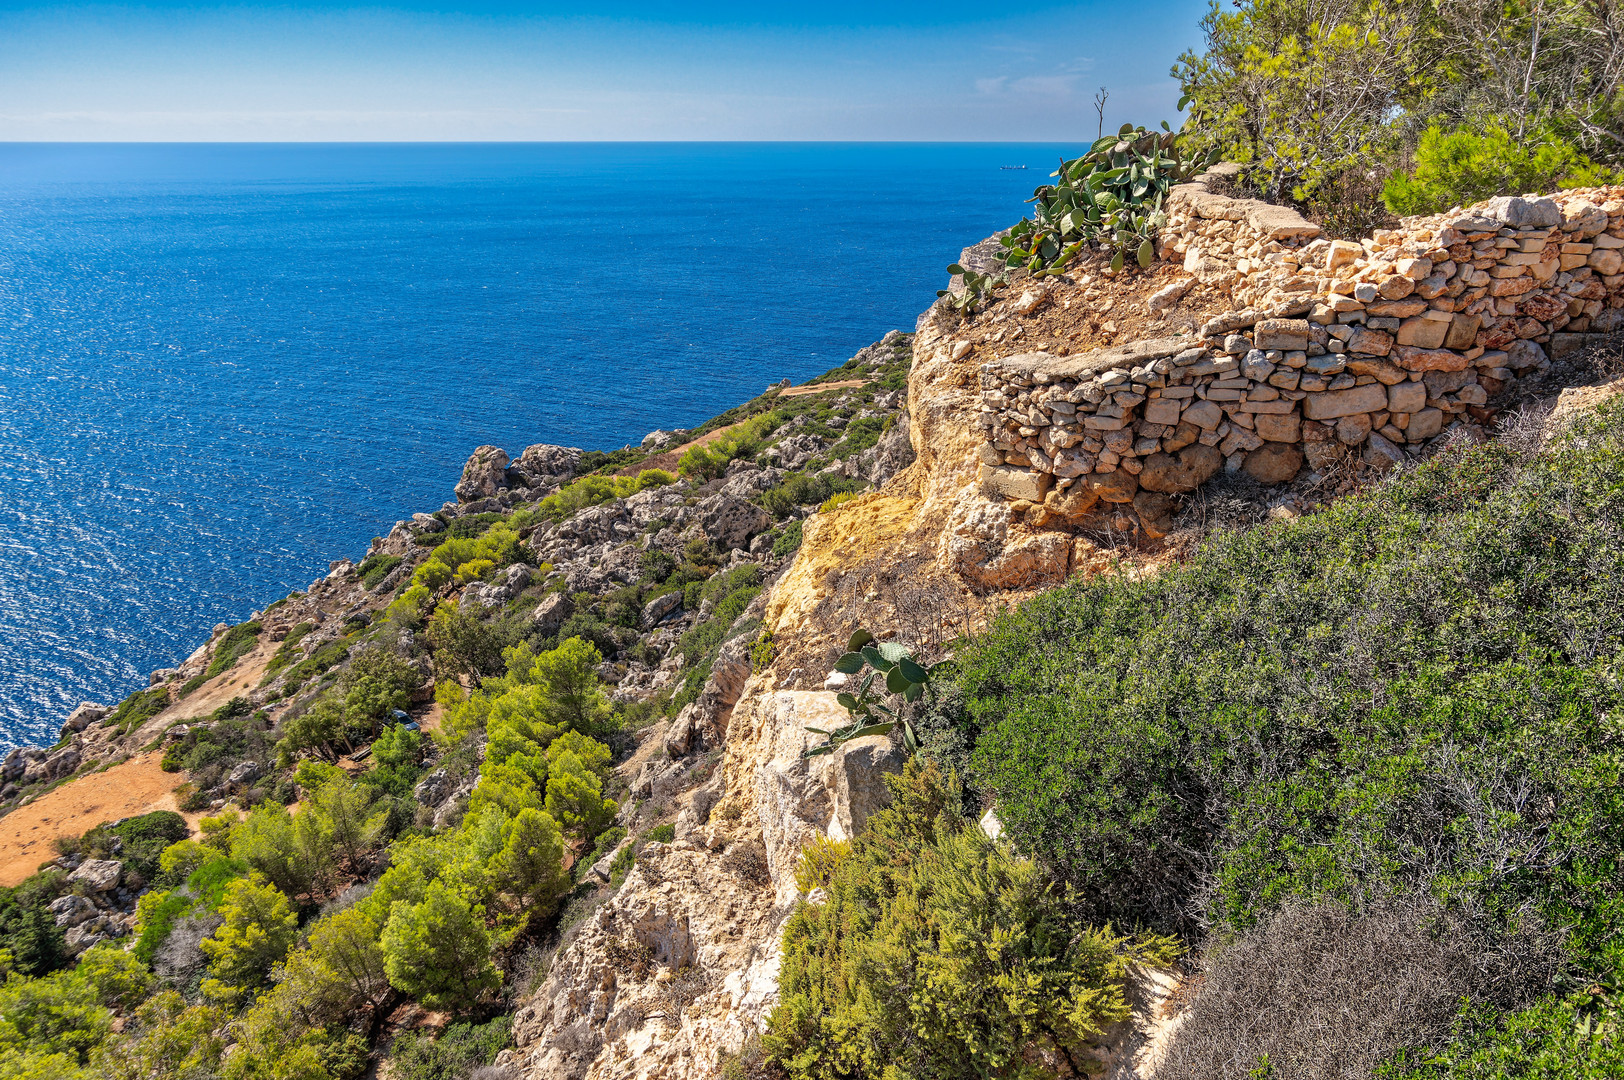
pixel 1414 691
pixel 138 708
pixel 233 646
pixel 937 953
pixel 592 490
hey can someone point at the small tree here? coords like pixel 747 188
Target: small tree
pixel 531 864
pixel 575 797
pixel 258 929
pixel 438 951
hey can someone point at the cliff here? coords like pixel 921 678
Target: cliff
pixel 1076 425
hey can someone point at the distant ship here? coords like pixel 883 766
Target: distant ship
pixel 1012 166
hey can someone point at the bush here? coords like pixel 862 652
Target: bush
pixel 893 974
pixel 287 651
pixel 804 489
pixel 374 568
pixel 138 708
pixel 836 501
pixel 592 490
pixel 234 644
pixel 459 1050
pixel 1363 701
pixel 1467 166
pixel 789 541
pixel 1322 991
pixel 745 440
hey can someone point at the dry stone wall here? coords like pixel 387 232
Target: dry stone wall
pixel 1336 350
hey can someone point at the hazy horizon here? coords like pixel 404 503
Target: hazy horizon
pixel 404 72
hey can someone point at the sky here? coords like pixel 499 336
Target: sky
pixel 831 70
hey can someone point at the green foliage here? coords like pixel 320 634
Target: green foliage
pixel 592 490
pixel 1111 196
pixel 662 834
pixel 531 864
pixel 165 1039
pixel 292 852
pixel 138 708
pixel 236 643
pixel 258 929
pixel 1370 699
pixel 458 1051
pixel 374 568
pixel 1466 166
pixel 575 797
pixel 745 440
pixel 940 954
pixel 1574 1037
pixel 789 541
pixel 465 643
pixel 499 545
pixel 903 676
pixel 437 950
pixel 28 930
pixel 471 525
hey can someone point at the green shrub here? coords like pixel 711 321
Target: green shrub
pixel 234 644
pixel 286 651
pixel 788 541
pixel 138 708
pixel 1467 166
pixel 144 839
pixel 937 953
pixel 662 834
pixel 743 441
pixel 374 568
pixel 805 489
pixel 592 490
pixel 458 1051
pixel 472 525
pixel 1368 700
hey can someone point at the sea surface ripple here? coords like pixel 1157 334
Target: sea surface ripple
pixel 223 366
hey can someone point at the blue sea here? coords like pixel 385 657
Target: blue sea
pixel 223 366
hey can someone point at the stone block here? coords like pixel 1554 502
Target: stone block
pixel 1283 428
pixel 1422 332
pixel 1333 404
pixel 1424 425
pixel 1370 342
pixel 1013 483
pixel 1185 471
pixel 1406 397
pixel 1204 414
pixel 1342 253
pixel 1606 262
pixel 1395 287
pixel 1353 430
pixel 1520 213
pixel 1413 359
pixel 1463 331
pixel 1284 334
pixel 1164 411
pixel 1274 463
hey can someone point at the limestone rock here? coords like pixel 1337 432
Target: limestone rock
pixel 1273 463
pixel 1113 487
pixel 657 609
pixel 86 714
pixel 730 522
pixel 72 910
pixel 98 875
pixel 1188 470
pixel 860 767
pixel 1015 483
pixel 484 474
pixel 1155 513
pixel 1520 213
pixel 893 453
pixel 552 611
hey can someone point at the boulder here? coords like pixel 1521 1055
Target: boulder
pixel 98 875
pixel 600 869
pixel 1519 213
pixel 14 766
pixel 433 789
pixel 484 474
pixel 44 769
pixel 1273 463
pixel 860 767
pixel 730 522
pixel 245 773
pixel 552 611
pixel 1073 504
pixel 86 714
pixel 681 733
pixel 1113 487
pixel 1155 513
pixel 1186 471
pixel 893 453
pixel 660 607
pixel 72 910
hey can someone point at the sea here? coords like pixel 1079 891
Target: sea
pixel 223 366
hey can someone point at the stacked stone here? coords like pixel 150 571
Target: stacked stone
pixel 1375 348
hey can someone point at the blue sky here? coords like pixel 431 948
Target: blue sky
pixel 432 71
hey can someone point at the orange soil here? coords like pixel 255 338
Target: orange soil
pixel 138 786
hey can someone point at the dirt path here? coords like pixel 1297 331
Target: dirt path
pixel 136 787
pixel 241 678
pixel 668 459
